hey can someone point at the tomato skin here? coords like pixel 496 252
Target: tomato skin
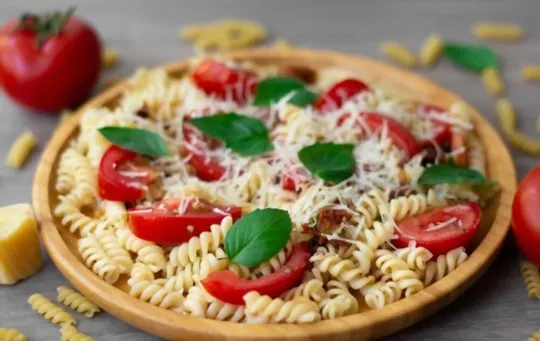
pixel 442 129
pixel 526 216
pixel 160 225
pixel 115 186
pixel 458 143
pixel 205 168
pixel 228 287
pixel 339 93
pixel 59 75
pixel 216 78
pixel 401 136
pixel 444 239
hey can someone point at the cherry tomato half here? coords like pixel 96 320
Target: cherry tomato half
pixel 119 179
pixel 339 93
pixel 206 168
pixel 426 229
pixel 441 132
pixel 164 224
pixel 55 75
pixel 228 287
pixel 218 79
pixel 526 216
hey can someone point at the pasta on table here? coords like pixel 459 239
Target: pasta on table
pixel 300 199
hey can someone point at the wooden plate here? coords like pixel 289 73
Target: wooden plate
pixel 369 324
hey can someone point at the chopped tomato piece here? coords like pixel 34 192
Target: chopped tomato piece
pixel 119 178
pixel 339 93
pixel 526 216
pixel 292 179
pixel 440 230
pixel 175 222
pixel 441 133
pixel 224 82
pixel 331 219
pixel 206 168
pixel 228 287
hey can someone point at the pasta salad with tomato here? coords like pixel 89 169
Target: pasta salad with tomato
pixel 270 194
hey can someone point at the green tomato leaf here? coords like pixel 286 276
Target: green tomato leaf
pixel 142 141
pixel 446 173
pixel 474 57
pixel 244 135
pixel 272 90
pixel 257 236
pixel 329 161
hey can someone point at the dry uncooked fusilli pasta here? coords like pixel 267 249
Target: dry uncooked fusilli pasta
pixel 531 72
pixel 534 337
pixel 10 334
pixel 431 50
pixel 492 81
pixel 398 53
pixel 20 149
pixel 49 310
pixel 71 333
pixel 76 301
pixel 497 31
pixel 531 277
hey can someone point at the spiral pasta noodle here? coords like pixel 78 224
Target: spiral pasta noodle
pixel 530 275
pixel 497 31
pixel 201 304
pixel 312 289
pixel 49 310
pixel 70 213
pixel 476 154
pixel 343 269
pixel 274 263
pixel 431 50
pixel 391 265
pixel 415 257
pixel 76 301
pixel 492 81
pixel 147 252
pixel 534 337
pixel 398 53
pixel 407 206
pixel 83 174
pixel 10 334
pixel 264 309
pixel 71 333
pixel 155 293
pixel 382 293
pixel 20 149
pixel 443 265
pixel 256 178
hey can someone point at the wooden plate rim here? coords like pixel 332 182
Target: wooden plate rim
pixel 367 325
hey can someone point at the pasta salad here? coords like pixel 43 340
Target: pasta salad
pixel 265 194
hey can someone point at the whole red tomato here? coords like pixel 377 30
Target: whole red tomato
pixel 526 216
pixel 49 62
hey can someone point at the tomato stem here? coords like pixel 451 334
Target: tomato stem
pixel 45 26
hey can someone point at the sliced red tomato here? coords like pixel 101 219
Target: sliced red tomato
pixel 228 287
pixel 526 216
pixel 458 145
pixel 163 223
pixel 339 93
pixel 440 230
pixel 206 168
pixel 441 133
pixel 217 79
pixel 119 178
pixel 292 179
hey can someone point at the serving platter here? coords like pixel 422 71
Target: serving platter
pixel 366 325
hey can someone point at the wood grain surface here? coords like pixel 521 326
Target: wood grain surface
pixel 144 32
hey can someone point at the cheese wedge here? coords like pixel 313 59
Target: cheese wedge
pixel 20 254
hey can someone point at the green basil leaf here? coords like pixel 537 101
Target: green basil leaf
pixel 445 173
pixel 247 136
pixel 272 90
pixel 257 236
pixel 329 161
pixel 142 141
pixel 474 57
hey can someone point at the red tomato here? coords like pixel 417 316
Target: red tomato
pixel 526 216
pixel 216 78
pixel 440 240
pixel 339 93
pixel 229 288
pixel 205 168
pixel 458 145
pixel 442 129
pixel 53 76
pixel 164 224
pixel 293 179
pixel 113 185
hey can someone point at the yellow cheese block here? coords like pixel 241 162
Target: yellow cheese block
pixel 20 254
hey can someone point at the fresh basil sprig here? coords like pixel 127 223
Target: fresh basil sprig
pixel 244 135
pixel 329 161
pixel 448 173
pixel 272 90
pixel 257 236
pixel 142 141
pixel 474 57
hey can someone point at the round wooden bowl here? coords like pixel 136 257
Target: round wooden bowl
pixel 367 325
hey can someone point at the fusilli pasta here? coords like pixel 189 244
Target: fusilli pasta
pixel 10 334
pixel 264 309
pixel 76 301
pixel 71 333
pixel 530 275
pixel 49 310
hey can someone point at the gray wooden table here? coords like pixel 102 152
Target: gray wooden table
pixel 145 33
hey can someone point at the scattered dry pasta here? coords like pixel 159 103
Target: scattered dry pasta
pixel 20 149
pixel 531 72
pixel 227 34
pixel 531 277
pixel 535 337
pixel 431 50
pixel 10 334
pixel 492 81
pixel 49 310
pixel 76 301
pixel 398 53
pixel 507 120
pixel 71 333
pixel 110 57
pixel 497 31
